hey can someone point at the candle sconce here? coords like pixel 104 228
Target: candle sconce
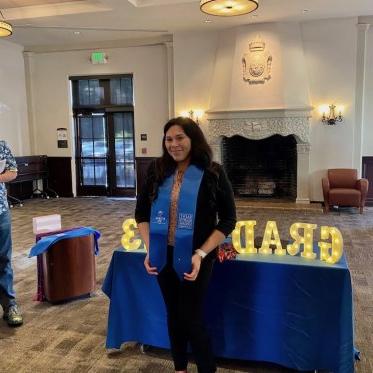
pixel 194 114
pixel 332 118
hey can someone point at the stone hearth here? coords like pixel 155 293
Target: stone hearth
pixel 261 124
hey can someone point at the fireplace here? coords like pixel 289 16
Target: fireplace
pixel 266 152
pixel 261 168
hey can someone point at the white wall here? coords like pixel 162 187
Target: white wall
pixel 287 86
pixel 51 101
pixel 368 104
pixel 330 51
pixel 208 69
pixel 13 105
pixel 194 60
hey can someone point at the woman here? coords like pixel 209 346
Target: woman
pixel 177 211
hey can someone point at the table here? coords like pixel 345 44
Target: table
pixel 285 310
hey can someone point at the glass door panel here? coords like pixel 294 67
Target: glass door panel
pixel 124 150
pixel 92 147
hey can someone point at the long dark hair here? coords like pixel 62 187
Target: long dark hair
pixel 200 153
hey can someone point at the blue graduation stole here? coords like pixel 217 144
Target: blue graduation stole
pixel 186 211
pixel 45 243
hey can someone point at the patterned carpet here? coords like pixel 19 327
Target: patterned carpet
pixel 70 337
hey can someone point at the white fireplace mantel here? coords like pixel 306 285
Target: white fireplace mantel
pixel 259 124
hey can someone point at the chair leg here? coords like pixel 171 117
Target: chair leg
pixel 361 209
pixel 326 208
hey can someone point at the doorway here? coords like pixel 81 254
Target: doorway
pixel 104 136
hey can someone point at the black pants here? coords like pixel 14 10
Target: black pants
pixel 184 304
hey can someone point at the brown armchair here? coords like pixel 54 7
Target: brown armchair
pixel 342 188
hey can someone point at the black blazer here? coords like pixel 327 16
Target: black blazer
pixel 215 205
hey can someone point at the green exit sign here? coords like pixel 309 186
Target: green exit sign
pixel 98 58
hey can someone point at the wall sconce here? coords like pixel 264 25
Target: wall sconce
pixel 194 114
pixel 332 117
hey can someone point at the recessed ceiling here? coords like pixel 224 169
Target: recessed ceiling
pixel 7 4
pixel 53 8
pixel 55 22
pixel 140 3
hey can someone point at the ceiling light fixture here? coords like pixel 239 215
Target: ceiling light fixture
pixel 6 28
pixel 228 8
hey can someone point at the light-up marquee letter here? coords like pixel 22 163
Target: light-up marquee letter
pixel 306 240
pixel 248 226
pixel 128 241
pixel 271 230
pixel 336 245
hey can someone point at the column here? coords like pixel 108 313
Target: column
pixel 170 78
pixel 360 89
pixel 303 171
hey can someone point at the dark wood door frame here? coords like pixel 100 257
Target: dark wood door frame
pixel 367 173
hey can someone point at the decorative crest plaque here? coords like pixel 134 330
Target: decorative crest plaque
pixel 257 63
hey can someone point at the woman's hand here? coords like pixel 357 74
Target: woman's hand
pixel 149 269
pixel 196 265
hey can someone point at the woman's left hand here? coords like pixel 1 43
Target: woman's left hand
pixel 196 265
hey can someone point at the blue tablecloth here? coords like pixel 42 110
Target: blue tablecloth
pixel 286 310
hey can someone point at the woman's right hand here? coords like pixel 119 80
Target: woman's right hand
pixel 149 269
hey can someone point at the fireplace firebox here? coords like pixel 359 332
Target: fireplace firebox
pixel 265 168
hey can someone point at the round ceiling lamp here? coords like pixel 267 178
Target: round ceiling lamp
pixel 228 8
pixel 6 28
